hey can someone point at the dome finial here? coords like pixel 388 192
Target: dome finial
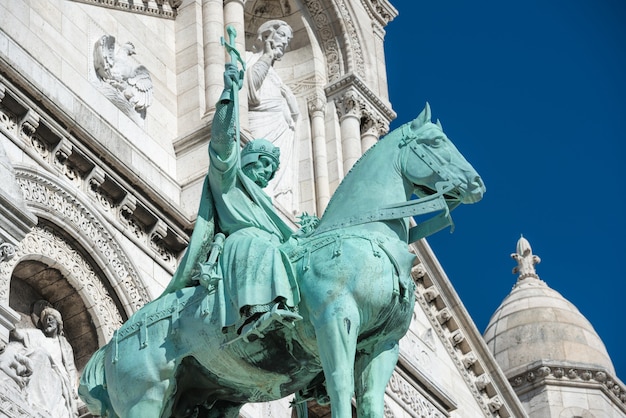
pixel 525 260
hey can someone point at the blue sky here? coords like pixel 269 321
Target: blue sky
pixel 533 93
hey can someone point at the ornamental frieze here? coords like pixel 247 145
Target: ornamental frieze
pixel 556 375
pixel 44 194
pixel 59 152
pixel 405 394
pixel 160 8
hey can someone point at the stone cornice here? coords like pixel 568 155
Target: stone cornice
pixel 158 8
pixel 462 341
pixel 60 152
pixel 554 374
pixel 380 11
pixel 353 81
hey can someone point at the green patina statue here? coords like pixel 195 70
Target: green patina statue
pixel 318 313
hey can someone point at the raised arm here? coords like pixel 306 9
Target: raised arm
pixel 223 128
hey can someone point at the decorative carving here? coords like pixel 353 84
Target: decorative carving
pixel 328 38
pixel 348 104
pixel 355 52
pixel 372 124
pixel 495 404
pixel 55 152
pixel 7 251
pixel 457 338
pixel 29 123
pixel 431 294
pixel 410 399
pixel 482 381
pixel 160 8
pixel 380 10
pixel 444 316
pixel 525 260
pixel 316 104
pixel 42 192
pixel 368 98
pixel 469 360
pixel 125 84
pixel 43 242
pixel 544 372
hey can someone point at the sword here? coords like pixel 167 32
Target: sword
pixel 235 57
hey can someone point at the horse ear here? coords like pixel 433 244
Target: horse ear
pixel 439 124
pixel 422 118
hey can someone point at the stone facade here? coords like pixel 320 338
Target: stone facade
pixel 97 205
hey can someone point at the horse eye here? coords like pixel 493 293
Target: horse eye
pixel 436 142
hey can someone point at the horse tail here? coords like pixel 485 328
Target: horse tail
pixel 92 386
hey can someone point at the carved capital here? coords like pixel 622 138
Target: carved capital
pixel 348 104
pixel 316 105
pixel 373 124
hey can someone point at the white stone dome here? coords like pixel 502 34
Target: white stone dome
pixel 535 323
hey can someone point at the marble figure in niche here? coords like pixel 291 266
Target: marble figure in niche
pixel 272 107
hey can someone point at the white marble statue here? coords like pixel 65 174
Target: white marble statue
pixel 272 107
pixel 41 362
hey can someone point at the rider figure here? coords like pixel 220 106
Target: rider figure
pixel 259 282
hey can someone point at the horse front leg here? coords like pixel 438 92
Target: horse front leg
pixel 373 371
pixel 337 331
pixel 151 402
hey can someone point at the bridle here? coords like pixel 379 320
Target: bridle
pixel 441 201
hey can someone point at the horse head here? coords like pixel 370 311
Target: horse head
pixel 434 165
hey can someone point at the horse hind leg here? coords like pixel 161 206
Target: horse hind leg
pixel 373 371
pixel 337 338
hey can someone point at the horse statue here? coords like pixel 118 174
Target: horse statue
pixel 172 358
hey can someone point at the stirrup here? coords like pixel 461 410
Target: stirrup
pixel 284 316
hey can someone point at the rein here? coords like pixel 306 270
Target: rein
pixel 430 204
pixel 434 203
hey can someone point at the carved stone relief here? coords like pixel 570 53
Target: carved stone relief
pixel 42 193
pixel 45 245
pixel 411 400
pixel 59 152
pixel 126 84
pixel 555 374
pixel 160 8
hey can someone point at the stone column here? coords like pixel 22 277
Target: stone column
pixel 349 110
pixel 213 30
pixel 233 15
pixel 317 109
